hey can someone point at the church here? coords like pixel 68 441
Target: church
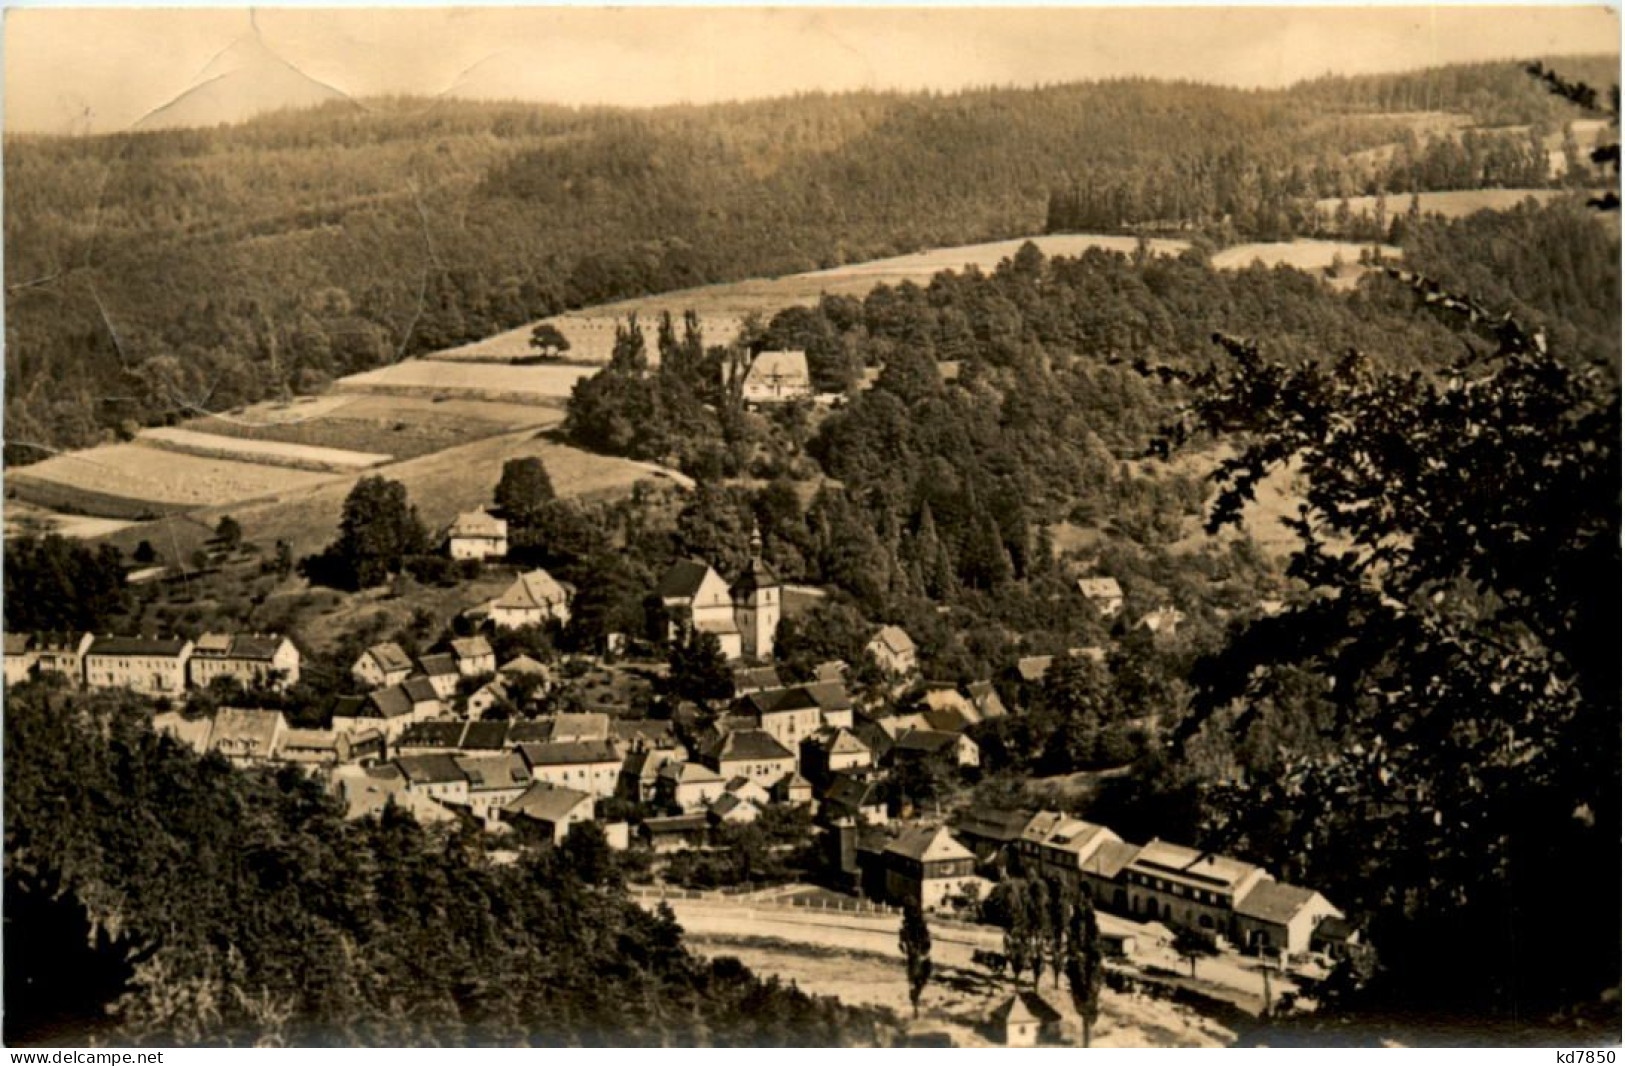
pixel 744 617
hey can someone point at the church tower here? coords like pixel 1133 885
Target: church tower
pixel 758 600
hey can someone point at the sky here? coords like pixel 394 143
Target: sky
pixel 99 70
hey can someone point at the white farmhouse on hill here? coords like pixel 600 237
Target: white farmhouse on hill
pixel 778 377
pixel 477 534
pixel 533 599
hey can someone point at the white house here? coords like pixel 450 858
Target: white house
pixel 1104 592
pixel 382 664
pixel 777 377
pixel 533 599
pixel 249 657
pixel 893 651
pixel 153 666
pixel 593 766
pixel 474 656
pixel 477 534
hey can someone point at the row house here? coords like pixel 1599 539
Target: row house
pixel 593 766
pixel 494 781
pixel 1059 846
pixel 251 658
pixel 154 666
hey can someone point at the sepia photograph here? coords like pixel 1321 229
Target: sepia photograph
pixel 883 527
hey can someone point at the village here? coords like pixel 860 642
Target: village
pixel 810 785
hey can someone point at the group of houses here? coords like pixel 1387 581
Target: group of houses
pixel 153 666
pixel 1224 898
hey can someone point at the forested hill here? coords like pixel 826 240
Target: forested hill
pixel 148 274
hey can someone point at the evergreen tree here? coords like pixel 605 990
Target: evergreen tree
pixel 1085 965
pixel 915 940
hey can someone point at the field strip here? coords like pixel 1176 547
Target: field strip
pixel 269 452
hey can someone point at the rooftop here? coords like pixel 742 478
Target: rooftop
pixel 1271 901
pixel 532 591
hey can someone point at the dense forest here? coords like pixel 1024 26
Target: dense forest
pixel 150 274
pixel 286 925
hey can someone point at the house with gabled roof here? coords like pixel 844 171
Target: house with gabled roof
pixel 314 748
pixel 831 750
pixel 191 732
pixel 1103 593
pixel 382 665
pixel 473 655
pixel 494 780
pixel 675 833
pixel 1024 1018
pixel 777 377
pixel 1059 846
pixel 853 797
pixel 749 679
pixel 640 774
pixel 733 809
pixel 835 704
pixel 893 651
pixel 935 743
pixel 593 766
pixel 62 653
pixel 985 698
pixel 252 658
pixel 390 710
pixel 20 657
pixel 1102 875
pixel 534 599
pixel 586 725
pixel 926 865
pixel 551 809
pixel 788 715
pixel 1179 885
pixel 153 666
pixel 749 753
pixel 485 736
pixel 643 734
pixel 440 670
pixel 247 737
pixel 688 785
pixel 477 534
pixel 990 833
pixel 1280 918
pixel 434 775
pixel 792 790
pixel 440 734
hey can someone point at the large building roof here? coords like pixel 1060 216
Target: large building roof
pixel 928 844
pixel 438 665
pixel 432 735
pixel 258 646
pixel 547 803
pixel 485 735
pixel 750 744
pixel 989 824
pixel 433 768
pixel 570 753
pixel 162 647
pixel 1110 858
pixel 531 591
pixel 487 773
pixel 420 690
pixel 254 730
pixel 1160 858
pixel 1271 901
pixel 683 580
pixel 778 701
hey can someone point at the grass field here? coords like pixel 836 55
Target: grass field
pixel 1457 204
pixel 131 472
pixel 440 485
pixel 469 380
pixel 24 518
pixel 266 452
pixel 1301 254
pixel 403 426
